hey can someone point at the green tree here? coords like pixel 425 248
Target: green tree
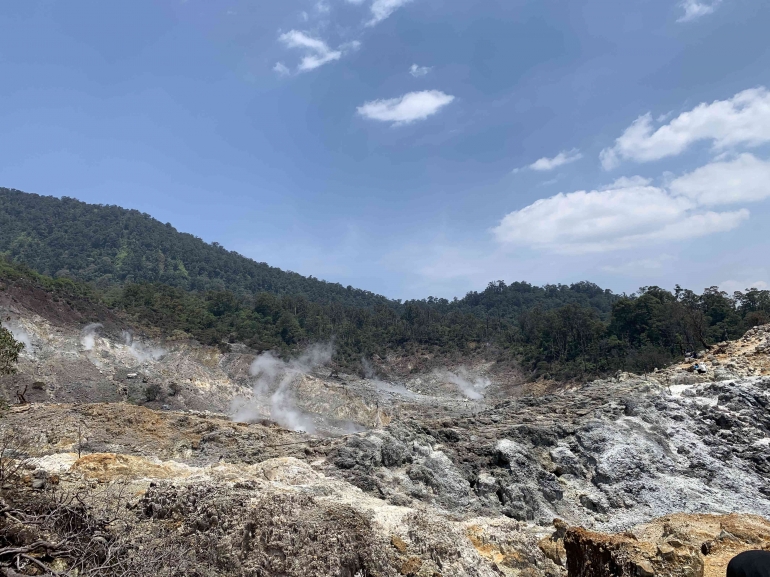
pixel 9 352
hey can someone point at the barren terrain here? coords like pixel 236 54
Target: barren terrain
pixel 276 468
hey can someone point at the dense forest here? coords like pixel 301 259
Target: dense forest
pixel 109 245
pixel 550 338
pixel 182 285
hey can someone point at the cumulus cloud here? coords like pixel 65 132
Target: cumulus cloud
pixel 560 159
pixel 744 179
pixel 317 52
pixel 418 71
pixel 694 9
pixel 631 211
pixel 604 220
pixel 628 182
pixel 743 119
pixel 407 108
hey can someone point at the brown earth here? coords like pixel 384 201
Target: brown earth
pixel 673 546
pixel 432 483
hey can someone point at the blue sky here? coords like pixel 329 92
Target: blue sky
pixel 411 147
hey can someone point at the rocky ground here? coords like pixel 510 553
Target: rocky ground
pixel 448 472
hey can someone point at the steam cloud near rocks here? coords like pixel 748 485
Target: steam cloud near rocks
pixel 140 351
pixel 88 335
pixel 274 377
pixel 472 386
pixel 383 386
pixel 20 335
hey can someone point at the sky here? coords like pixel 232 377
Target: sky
pixel 411 147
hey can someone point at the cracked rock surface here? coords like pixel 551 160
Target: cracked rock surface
pixel 608 455
pixel 406 477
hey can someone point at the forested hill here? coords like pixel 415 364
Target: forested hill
pixel 129 261
pixel 109 245
pixel 112 246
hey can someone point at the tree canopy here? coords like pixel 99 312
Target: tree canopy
pixel 109 245
pixel 10 349
pixel 180 284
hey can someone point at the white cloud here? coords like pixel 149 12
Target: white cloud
pixel 730 286
pixel 744 179
pixel 381 9
pixel 631 211
pixel 560 159
pixel 418 71
pixel 350 46
pixel 281 69
pixel 611 219
pixel 628 182
pixel 317 51
pixel 694 9
pixel 407 108
pixel 743 119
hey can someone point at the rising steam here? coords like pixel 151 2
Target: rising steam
pixel 274 377
pixel 88 335
pixel 472 386
pixel 20 335
pixel 140 351
pixel 383 386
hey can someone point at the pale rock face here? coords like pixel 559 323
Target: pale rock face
pixel 420 484
pixel 607 455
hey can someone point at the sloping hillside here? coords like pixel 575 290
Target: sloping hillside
pixel 110 244
pixel 414 477
pixel 178 283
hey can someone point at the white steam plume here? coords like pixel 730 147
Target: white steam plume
pixel 383 386
pixel 276 375
pixel 20 335
pixel 472 386
pixel 140 351
pixel 88 335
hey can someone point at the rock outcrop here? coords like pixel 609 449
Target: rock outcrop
pixel 607 455
pixel 658 474
pixel 673 546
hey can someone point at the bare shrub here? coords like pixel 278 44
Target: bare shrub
pixel 82 531
pixel 15 445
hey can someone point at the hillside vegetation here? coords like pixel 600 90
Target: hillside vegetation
pixel 109 245
pixel 178 283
